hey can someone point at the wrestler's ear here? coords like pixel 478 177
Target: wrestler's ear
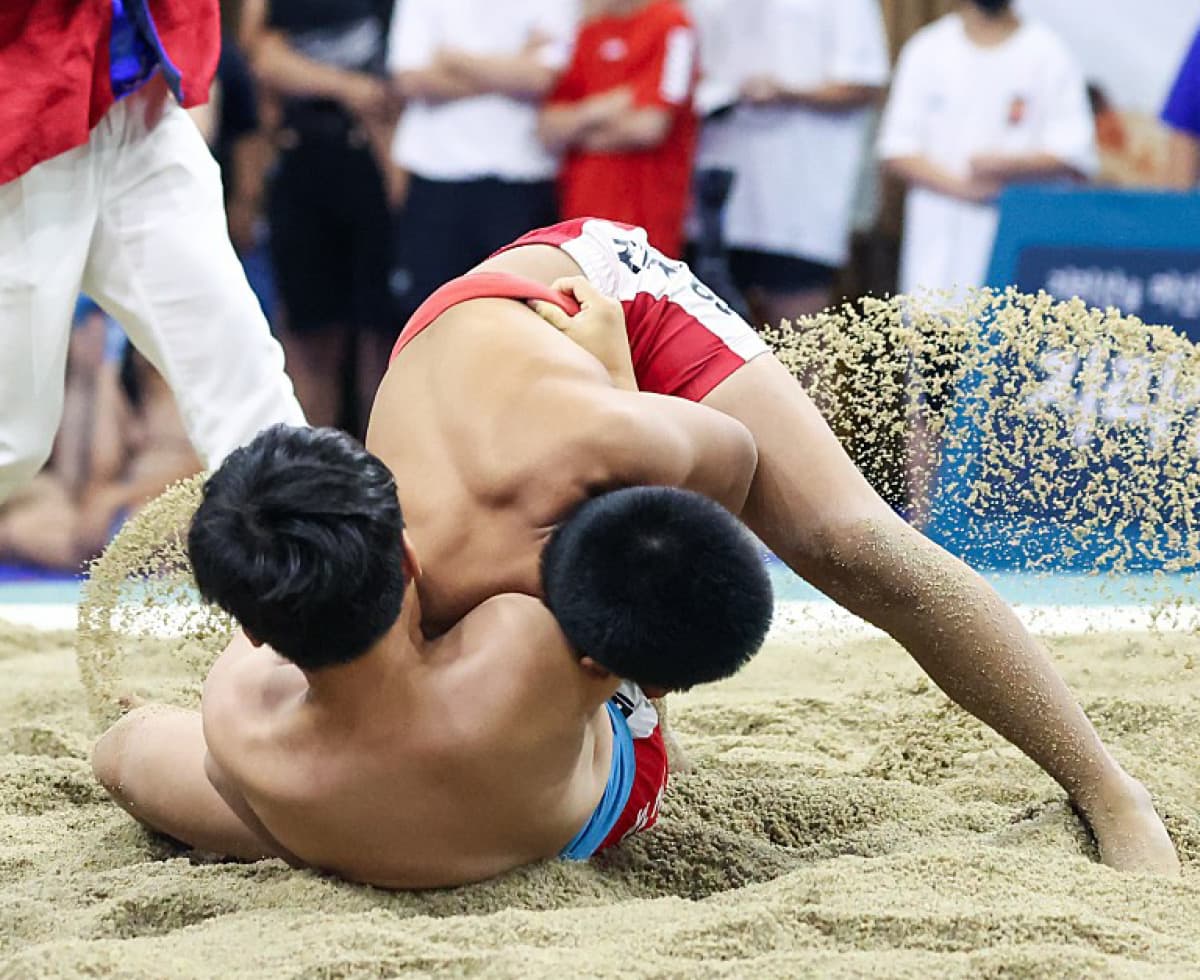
pixel 412 565
pixel 594 670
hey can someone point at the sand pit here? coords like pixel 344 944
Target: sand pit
pixel 843 820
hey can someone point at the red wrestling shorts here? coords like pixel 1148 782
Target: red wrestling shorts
pixel 684 340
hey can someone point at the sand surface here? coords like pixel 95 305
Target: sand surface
pixel 842 821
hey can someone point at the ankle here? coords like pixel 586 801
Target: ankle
pixel 1113 794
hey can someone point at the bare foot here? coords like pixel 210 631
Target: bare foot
pixel 1129 832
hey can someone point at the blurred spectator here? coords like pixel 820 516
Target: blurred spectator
pixel 1182 114
pixel 106 185
pixel 797 77
pixel 980 99
pixel 472 72
pixel 120 444
pixel 623 113
pixel 328 209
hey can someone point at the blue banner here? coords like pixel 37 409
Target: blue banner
pixel 1138 252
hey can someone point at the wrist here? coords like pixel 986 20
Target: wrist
pixel 620 369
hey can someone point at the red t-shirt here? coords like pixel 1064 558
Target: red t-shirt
pixel 654 52
pixel 54 69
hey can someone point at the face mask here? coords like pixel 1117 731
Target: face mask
pixel 992 7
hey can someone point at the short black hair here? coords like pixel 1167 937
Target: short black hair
pixel 659 586
pixel 299 537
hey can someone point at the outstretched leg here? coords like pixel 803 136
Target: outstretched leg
pixel 812 507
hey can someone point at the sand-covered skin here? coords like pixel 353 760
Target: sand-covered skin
pixel 842 820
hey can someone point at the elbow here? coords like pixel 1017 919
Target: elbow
pixel 745 456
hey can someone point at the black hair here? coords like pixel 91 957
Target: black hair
pixel 298 536
pixel 659 586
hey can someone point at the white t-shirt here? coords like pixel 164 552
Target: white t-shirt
pixel 951 100
pixel 797 170
pixel 486 135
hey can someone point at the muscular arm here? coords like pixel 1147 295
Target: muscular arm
pixel 155 764
pixel 642 438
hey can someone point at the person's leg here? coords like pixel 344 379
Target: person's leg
pixel 46 221
pixel 161 263
pixel 154 763
pixel 812 507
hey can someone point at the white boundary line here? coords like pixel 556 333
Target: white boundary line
pixel 798 619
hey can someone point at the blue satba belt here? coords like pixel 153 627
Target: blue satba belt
pixel 616 793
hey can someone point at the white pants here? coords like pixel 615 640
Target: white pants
pixel 135 219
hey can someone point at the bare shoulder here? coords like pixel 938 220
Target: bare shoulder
pixel 227 673
pixel 516 637
pixel 516 622
pixel 239 691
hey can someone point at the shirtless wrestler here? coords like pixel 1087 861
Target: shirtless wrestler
pixel 808 502
pixel 355 744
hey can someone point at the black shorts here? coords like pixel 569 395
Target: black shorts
pixel 774 272
pixel 331 236
pixel 448 227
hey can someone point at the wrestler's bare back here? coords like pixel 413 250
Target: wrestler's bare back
pixel 496 426
pixel 385 781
